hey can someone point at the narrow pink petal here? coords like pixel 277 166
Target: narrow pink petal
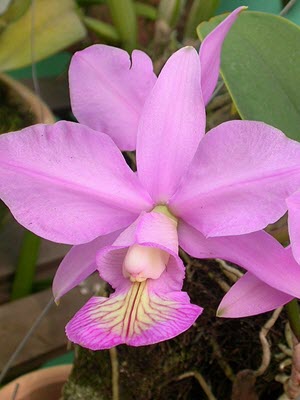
pixel 210 54
pixel 108 90
pixel 250 296
pixel 238 181
pixel 68 183
pixel 171 125
pixel 150 229
pixel 135 315
pixel 78 264
pixel 293 203
pixel 258 252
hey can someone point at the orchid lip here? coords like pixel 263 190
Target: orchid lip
pixel 137 278
pixel 148 306
pixel 136 315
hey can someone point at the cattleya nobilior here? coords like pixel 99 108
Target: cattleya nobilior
pixel 69 183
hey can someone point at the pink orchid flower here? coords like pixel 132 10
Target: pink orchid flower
pixel 111 97
pixel 69 183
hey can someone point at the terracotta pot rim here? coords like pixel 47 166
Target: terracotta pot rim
pixel 36 380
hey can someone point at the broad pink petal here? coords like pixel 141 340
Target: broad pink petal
pixel 293 203
pixel 250 296
pixel 258 252
pixel 78 264
pixel 238 181
pixel 171 125
pixel 150 229
pixel 108 90
pixel 210 54
pixel 137 315
pixel 68 183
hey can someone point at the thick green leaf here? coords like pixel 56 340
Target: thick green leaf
pixel 261 68
pixel 56 26
pixel 269 6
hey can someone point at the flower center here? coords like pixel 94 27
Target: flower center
pixel 163 209
pixel 143 262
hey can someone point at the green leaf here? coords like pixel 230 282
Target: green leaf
pixel 16 9
pixel 145 10
pixel 260 67
pixel 201 10
pixel 86 3
pixel 26 266
pixel 124 17
pixel 56 26
pixel 102 29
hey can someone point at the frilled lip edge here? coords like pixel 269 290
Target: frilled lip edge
pixel 136 315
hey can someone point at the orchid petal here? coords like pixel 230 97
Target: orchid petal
pixel 238 181
pixel 293 203
pixel 78 264
pixel 258 252
pixel 68 183
pixel 171 125
pixel 108 90
pixel 210 54
pixel 251 296
pixel 150 229
pixel 136 315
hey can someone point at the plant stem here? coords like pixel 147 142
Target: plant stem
pixel 293 313
pixel 25 339
pixel 26 266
